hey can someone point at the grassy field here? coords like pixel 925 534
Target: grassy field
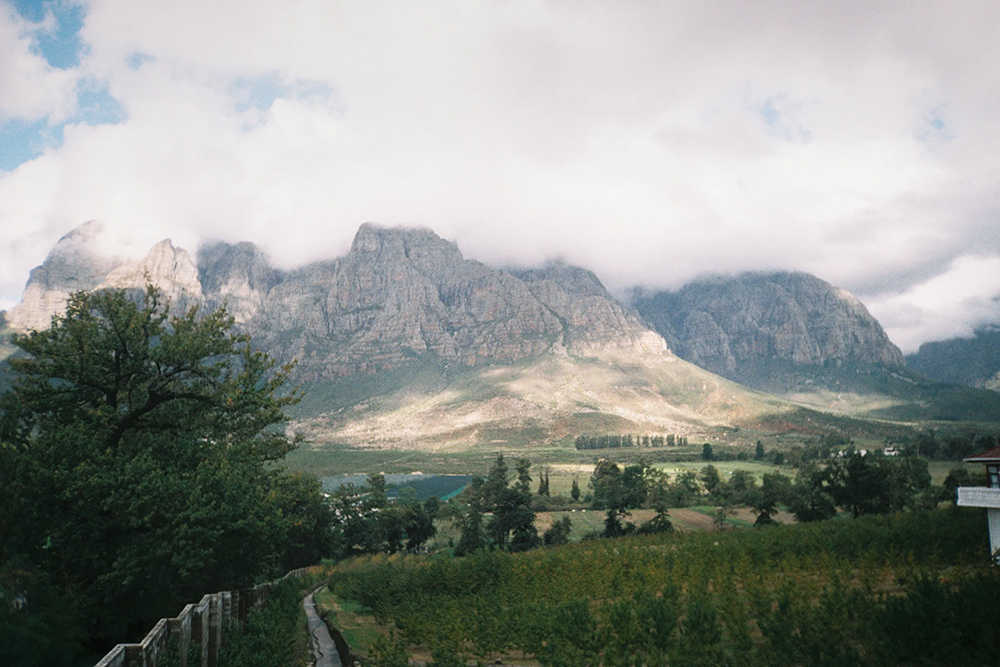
pixel 354 623
pixel 683 519
pixel 563 460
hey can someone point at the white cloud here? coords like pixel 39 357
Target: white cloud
pixel 29 88
pixel 649 142
pixel 950 304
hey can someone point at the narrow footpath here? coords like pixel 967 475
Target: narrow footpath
pixel 324 650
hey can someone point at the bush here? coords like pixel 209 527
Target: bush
pixel 269 636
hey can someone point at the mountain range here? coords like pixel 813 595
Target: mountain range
pixel 403 342
pixel 974 362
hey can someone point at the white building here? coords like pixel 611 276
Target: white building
pixel 988 496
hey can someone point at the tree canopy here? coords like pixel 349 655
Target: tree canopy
pixel 136 450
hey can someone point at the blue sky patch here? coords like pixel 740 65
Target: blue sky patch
pixel 779 115
pixel 96 106
pixel 23 140
pixel 137 60
pixel 769 114
pixel 60 46
pixel 935 127
pixel 260 92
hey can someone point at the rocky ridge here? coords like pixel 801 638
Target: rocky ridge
pixel 726 323
pixel 74 263
pixel 399 294
pixel 405 293
pixel 973 362
pixel 404 342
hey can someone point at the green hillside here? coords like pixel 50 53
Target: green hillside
pixel 870 391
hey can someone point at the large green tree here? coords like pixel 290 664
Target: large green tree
pixel 876 484
pixel 138 450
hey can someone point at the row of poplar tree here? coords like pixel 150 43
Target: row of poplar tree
pixel 616 441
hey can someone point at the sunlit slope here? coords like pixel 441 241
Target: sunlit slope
pixel 870 391
pixel 543 399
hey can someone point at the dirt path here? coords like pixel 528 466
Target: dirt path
pixel 324 649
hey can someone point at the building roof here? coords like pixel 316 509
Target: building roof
pixel 988 456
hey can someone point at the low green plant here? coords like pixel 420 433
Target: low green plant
pixel 866 591
pixel 270 635
pixel 388 651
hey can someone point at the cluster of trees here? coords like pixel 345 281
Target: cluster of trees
pixel 618 490
pixel 137 472
pixel 628 440
pixel 932 445
pixel 775 457
pixel 856 483
pixel 499 514
pixel 367 521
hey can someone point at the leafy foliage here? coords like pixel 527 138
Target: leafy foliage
pixel 137 453
pixel 369 522
pixel 269 635
pixel 511 522
pixel 558 533
pixel 31 612
pixel 629 440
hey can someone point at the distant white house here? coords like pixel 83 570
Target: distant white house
pixel 844 452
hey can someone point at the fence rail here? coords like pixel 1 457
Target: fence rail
pixel 201 623
pixel 979 496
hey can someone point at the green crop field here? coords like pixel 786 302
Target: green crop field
pixel 912 588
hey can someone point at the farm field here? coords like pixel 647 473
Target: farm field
pixel 912 588
pixel 561 457
pixel 683 519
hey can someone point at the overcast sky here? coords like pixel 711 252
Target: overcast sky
pixel 648 141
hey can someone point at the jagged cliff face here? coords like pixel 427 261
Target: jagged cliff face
pixel 168 268
pixel 238 276
pixel 74 264
pixel 397 295
pixel 473 354
pixel 405 293
pixel 722 324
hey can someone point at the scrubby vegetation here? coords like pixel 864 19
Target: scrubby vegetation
pixel 910 588
pixel 273 635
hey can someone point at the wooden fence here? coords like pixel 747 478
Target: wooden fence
pixel 201 623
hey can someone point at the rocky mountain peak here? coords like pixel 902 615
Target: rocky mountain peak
pixel 722 323
pixel 399 294
pixel 75 263
pixel 569 278
pixel 402 293
pixel 170 269
pixel 974 362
